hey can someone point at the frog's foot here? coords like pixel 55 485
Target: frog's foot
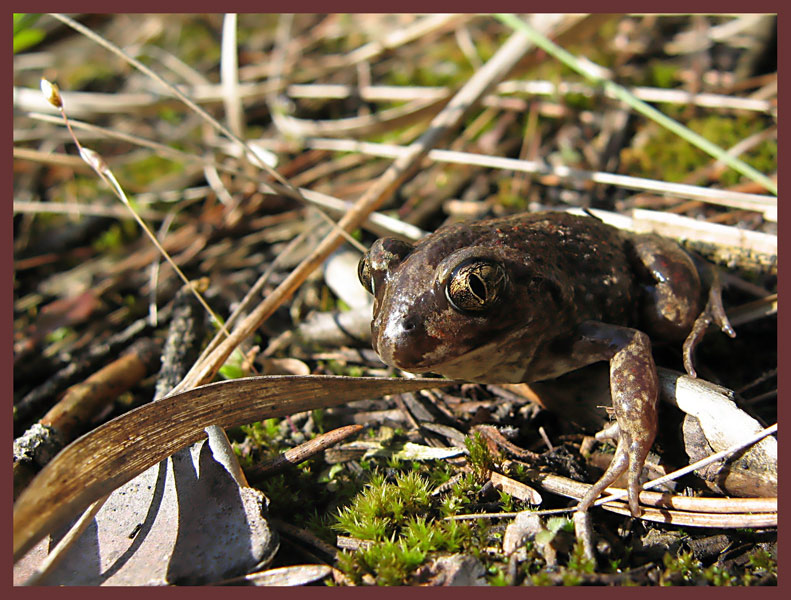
pixel 629 454
pixel 713 312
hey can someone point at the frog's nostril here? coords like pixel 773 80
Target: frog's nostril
pixel 410 324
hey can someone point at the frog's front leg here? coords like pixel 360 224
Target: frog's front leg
pixel 634 387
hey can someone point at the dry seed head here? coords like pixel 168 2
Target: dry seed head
pixel 51 93
pixel 93 158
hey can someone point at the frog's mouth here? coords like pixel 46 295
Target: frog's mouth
pixel 404 343
pixel 408 344
pixel 411 344
pixel 488 363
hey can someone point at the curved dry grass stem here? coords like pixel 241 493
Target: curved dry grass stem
pixel 99 165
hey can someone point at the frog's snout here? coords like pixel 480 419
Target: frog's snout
pixel 401 341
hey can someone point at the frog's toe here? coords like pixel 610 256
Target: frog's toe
pixel 637 456
pixel 584 531
pixel 713 312
pixel 638 444
pixel 619 464
pixel 611 432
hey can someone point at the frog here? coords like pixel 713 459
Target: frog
pixel 532 296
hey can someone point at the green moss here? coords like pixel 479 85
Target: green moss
pixel 506 502
pixel 667 157
pixel 147 170
pixel 578 563
pixel 399 516
pixel 579 102
pixel 115 237
pixel 481 460
pixel 58 335
pixel 719 576
pixel 198 43
pixel 439 474
pixel 170 115
pixel 497 577
pixel 507 199
pixel 453 70
pixel 88 73
pixel 763 561
pixel 684 564
pixel 661 74
pixel 541 579
pixel 380 510
pixel 762 565
pixel 341 368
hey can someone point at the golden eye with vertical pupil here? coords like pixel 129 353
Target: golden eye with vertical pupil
pixel 475 285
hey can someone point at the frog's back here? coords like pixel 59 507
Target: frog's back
pixel 586 258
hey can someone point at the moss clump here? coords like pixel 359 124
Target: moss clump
pixel 395 516
pixel 685 569
pixel 481 459
pixel 670 158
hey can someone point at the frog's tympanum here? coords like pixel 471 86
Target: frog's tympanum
pixel 534 296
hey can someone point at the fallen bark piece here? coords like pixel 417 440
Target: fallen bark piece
pixel 713 424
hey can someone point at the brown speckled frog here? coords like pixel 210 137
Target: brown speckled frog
pixel 534 296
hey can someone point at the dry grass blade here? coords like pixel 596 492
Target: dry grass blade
pixel 378 93
pixel 674 517
pixel 22 206
pixel 383 121
pixel 62 160
pixel 117 451
pixel 705 504
pixel 758 202
pixel 669 224
pixel 84 104
pixel 677 505
pixel 229 73
pixel 467 139
pixel 283 576
pixel 662 507
pixel 721 243
pixel 294 456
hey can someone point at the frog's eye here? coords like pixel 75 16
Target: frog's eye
pixel 364 274
pixel 380 261
pixel 475 285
